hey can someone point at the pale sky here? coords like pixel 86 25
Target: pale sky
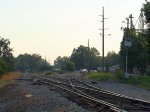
pixel 53 28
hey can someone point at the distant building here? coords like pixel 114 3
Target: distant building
pixel 110 69
pixel 100 69
pixel 83 70
pixel 114 68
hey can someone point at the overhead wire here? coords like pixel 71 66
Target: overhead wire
pixel 113 8
pixel 137 21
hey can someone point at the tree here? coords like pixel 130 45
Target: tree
pixel 5 50
pixel 6 54
pixel 3 67
pixel 84 57
pixel 60 62
pixel 94 58
pixel 136 53
pixel 70 66
pixel 146 10
pixel 44 65
pixel 112 58
pixel 32 63
pixel 146 34
pixel 64 63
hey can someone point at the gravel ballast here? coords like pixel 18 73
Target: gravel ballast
pixel 41 99
pixel 120 88
pixel 23 96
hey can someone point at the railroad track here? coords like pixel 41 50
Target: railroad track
pixel 102 100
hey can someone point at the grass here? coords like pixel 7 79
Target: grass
pixel 140 81
pixel 101 76
pixel 8 79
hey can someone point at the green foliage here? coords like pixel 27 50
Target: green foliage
pixel 60 62
pixel 146 34
pixel 64 63
pixel 137 53
pixel 3 67
pixel 147 12
pixel 105 76
pixel 84 57
pixel 101 76
pixel 70 66
pixel 111 59
pixel 6 57
pixel 5 50
pixel 119 74
pixel 141 81
pixel 31 63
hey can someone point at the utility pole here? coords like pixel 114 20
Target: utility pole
pixel 103 23
pixel 131 21
pixel 103 35
pixel 88 55
pixel 127 38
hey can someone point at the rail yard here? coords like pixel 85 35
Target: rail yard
pixel 100 99
pixel 37 93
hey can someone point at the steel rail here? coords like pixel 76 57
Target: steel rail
pixel 112 93
pixel 123 101
pixel 104 91
pixel 139 103
pixel 111 106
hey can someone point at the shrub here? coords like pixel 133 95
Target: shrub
pixel 120 75
pixel 3 67
pixel 100 76
pixel 70 66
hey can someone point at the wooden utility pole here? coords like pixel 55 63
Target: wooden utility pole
pixel 131 21
pixel 103 35
pixel 103 23
pixel 88 56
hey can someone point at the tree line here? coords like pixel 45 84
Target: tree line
pixel 85 58
pixel 23 62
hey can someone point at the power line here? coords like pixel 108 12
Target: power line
pixel 137 21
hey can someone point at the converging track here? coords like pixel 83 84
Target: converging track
pixel 97 99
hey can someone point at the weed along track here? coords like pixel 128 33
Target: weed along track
pixel 94 98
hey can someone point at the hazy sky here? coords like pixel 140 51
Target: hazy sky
pixel 53 28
